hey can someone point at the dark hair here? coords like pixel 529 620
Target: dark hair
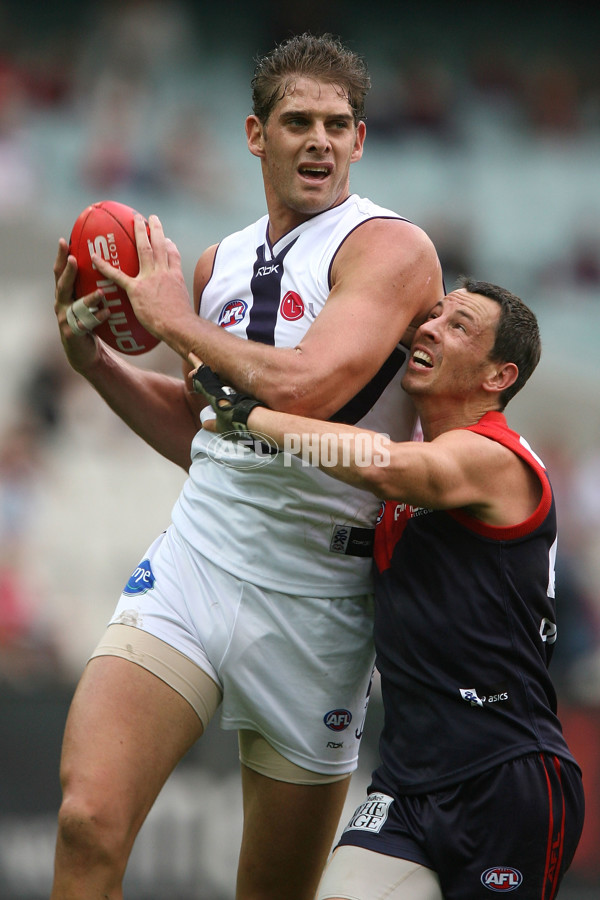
pixel 321 57
pixel 517 335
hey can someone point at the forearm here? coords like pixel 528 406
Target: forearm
pixel 355 456
pixel 293 380
pixel 458 469
pixel 278 376
pixel 153 405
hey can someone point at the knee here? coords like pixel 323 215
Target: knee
pixel 90 835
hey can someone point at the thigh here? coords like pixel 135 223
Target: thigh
pixel 287 836
pixel 125 732
pixel 355 873
pixel 167 663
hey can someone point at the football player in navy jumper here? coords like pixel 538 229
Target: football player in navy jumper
pixel 477 791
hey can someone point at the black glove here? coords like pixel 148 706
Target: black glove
pixel 232 408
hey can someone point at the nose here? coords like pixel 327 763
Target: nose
pixel 318 139
pixel 429 328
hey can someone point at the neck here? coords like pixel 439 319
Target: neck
pixel 284 218
pixel 437 418
pixel 280 225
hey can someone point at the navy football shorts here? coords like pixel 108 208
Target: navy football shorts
pixel 513 829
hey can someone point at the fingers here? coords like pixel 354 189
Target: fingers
pixel 173 254
pixel 147 252
pixel 156 244
pixel 65 272
pixel 81 315
pixel 161 250
pixel 84 314
pixel 76 319
pixel 60 262
pixel 110 272
pixel 194 361
pixel 152 245
pixel 155 251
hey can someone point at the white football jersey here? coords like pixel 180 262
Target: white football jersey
pixel 270 518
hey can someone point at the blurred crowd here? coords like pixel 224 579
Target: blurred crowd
pixel 98 82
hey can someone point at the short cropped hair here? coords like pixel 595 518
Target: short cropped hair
pixel 517 334
pixel 321 57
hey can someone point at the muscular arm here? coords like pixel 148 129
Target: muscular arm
pixel 154 406
pixel 386 275
pixel 458 469
pixel 159 408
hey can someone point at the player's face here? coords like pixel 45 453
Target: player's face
pixel 306 148
pixel 450 355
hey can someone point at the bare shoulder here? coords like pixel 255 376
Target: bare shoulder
pixel 400 240
pixel 499 487
pixel 472 448
pixel 391 258
pixel 203 271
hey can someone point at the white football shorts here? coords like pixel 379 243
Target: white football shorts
pixel 295 669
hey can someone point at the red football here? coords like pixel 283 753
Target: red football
pixel 106 229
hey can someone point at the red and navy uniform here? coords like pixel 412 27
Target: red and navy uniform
pixel 465 626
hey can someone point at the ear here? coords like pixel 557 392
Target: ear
pixel 500 377
pixel 255 135
pixel 357 152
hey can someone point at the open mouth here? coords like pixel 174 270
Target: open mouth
pixel 421 358
pixel 314 172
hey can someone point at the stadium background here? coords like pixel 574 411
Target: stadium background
pixel 483 127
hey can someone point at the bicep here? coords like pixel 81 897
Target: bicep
pixel 456 470
pixel 202 273
pixel 385 278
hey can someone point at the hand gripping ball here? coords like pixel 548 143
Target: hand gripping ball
pixel 106 228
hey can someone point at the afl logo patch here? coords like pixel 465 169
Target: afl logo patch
pixel 292 306
pixel 337 719
pixel 141 580
pixel 232 313
pixel 381 513
pixel 502 879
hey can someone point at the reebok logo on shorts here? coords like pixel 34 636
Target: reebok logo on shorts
pixel 371 815
pixel 141 580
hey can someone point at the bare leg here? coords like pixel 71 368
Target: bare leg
pixel 287 837
pixel 125 733
pixel 356 872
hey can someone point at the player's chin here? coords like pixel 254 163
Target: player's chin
pixel 415 381
pixel 315 202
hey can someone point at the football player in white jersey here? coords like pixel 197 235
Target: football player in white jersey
pixel 307 309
